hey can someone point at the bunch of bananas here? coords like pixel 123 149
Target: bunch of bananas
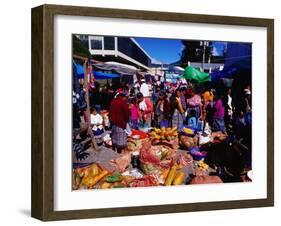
pixel 164 133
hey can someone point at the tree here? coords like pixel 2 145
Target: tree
pixel 193 51
pixel 78 48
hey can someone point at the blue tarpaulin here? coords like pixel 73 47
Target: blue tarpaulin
pixel 238 60
pixel 79 71
pixel 226 73
pixel 104 75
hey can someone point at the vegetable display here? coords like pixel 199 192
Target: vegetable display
pixel 188 131
pixel 171 175
pixel 179 178
pixel 161 161
pixel 164 133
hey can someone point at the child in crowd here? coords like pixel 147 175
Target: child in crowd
pixel 96 123
pixel 134 113
pixel 145 109
pixel 141 107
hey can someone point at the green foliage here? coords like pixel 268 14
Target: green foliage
pixel 78 48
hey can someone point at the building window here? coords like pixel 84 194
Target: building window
pixel 109 43
pixel 128 47
pixel 96 42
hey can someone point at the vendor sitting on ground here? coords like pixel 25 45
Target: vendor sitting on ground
pixel 96 122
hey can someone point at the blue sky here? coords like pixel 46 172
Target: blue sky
pixel 218 48
pixel 163 50
pixel 169 50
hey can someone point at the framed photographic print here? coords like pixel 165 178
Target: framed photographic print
pixel 141 112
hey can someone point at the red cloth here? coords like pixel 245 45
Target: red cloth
pixel 149 105
pixel 119 112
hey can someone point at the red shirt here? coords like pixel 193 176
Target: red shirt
pixel 119 112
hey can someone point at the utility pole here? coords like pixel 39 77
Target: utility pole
pixel 88 113
pixel 204 44
pixel 209 62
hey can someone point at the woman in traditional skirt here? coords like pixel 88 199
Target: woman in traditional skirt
pixel 119 114
pixel 119 138
pixel 194 103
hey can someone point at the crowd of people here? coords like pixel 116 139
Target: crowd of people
pixel 147 104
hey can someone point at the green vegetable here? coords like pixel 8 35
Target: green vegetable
pixel 114 178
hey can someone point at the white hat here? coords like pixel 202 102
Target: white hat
pixel 247 91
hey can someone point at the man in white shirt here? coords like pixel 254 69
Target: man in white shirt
pixel 144 88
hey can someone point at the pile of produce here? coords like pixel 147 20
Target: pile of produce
pixel 164 133
pixel 184 159
pixel 188 131
pixel 175 176
pixel 134 144
pixel 163 163
pixel 155 158
pixel 122 162
pixel 188 142
pixel 93 176
pixel 201 168
pixel 159 166
pixel 145 181
pixel 116 181
pixel 88 177
pixel 165 136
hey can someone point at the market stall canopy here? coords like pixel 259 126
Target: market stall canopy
pixel 172 75
pixel 117 67
pixel 103 75
pixel 226 73
pixel 191 73
pixel 176 69
pixel 238 58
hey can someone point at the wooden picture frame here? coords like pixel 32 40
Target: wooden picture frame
pixel 42 203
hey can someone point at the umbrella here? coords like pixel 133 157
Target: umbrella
pixel 191 73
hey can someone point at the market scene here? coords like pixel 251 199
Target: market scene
pixel 160 112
